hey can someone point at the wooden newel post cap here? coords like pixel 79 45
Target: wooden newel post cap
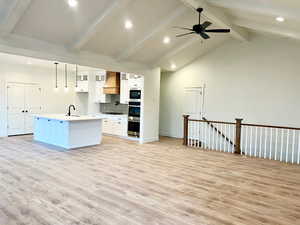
pixel 239 119
pixel 186 116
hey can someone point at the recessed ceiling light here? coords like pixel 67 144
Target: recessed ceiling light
pixel 173 66
pixel 73 3
pixel 29 62
pixel 280 19
pixel 128 24
pixel 167 40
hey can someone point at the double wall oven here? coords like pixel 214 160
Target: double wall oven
pixel 134 113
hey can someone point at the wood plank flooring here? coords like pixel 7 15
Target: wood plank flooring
pixel 122 182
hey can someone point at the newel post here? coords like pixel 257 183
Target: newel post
pixel 238 131
pixel 185 129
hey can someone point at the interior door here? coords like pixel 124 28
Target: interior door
pixel 15 109
pixel 193 102
pixel 32 106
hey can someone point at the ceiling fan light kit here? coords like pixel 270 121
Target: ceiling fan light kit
pixel 200 29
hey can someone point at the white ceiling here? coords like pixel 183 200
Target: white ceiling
pixel 97 26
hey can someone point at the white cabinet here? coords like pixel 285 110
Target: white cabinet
pixel 100 97
pixel 124 95
pixel 82 83
pixel 115 126
pixel 135 82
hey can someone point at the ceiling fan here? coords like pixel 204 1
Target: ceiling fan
pixel 201 28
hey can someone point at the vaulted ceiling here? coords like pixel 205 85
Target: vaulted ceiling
pixel 97 26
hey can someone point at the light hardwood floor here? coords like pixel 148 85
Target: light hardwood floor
pixel 121 182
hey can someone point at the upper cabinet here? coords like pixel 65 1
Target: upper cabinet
pixel 82 83
pixel 135 82
pixel 100 96
pixel 124 93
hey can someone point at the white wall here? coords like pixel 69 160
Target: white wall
pixel 150 112
pixel 257 80
pixel 53 102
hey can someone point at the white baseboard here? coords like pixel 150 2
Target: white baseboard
pixel 148 140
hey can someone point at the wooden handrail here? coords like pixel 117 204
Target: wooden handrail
pixel 217 130
pixel 212 121
pixel 269 126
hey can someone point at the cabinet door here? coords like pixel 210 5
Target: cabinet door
pixel 100 96
pixel 124 95
pixel 83 86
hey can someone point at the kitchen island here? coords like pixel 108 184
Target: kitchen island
pixel 68 132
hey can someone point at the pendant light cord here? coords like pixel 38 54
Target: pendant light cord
pixel 56 84
pixel 66 76
pixel 76 85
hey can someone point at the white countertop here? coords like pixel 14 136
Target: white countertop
pixel 63 117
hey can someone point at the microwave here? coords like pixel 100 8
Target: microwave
pixel 135 94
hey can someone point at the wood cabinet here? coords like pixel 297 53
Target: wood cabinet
pixel 112 85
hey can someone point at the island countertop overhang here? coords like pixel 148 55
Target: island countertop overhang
pixel 62 117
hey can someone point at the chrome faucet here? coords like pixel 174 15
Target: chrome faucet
pixel 69 110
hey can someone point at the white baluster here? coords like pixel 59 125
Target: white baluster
pixel 220 137
pixel 209 137
pixel 251 140
pixel 224 139
pixel 271 140
pixel 298 161
pixel 255 146
pixel 246 141
pixel 276 144
pixel 265 150
pixel 293 150
pixel 281 148
pixel 260 142
pixel 287 146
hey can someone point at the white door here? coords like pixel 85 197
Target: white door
pixel 23 101
pixel 32 106
pixel 15 109
pixel 193 99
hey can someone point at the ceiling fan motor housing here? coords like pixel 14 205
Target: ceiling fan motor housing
pixel 197 28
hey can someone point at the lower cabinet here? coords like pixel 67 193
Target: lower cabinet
pixel 115 126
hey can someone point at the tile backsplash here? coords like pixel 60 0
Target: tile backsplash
pixel 113 107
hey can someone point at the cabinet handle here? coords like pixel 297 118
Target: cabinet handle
pixel 49 120
pixel 61 121
pixel 23 111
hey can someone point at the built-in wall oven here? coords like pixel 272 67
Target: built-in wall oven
pixel 135 94
pixel 134 114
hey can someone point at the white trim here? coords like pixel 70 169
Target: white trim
pixel 139 43
pixel 148 140
pixel 16 10
pixel 92 30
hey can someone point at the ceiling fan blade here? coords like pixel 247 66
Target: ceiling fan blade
pixel 206 24
pixel 181 35
pixel 218 30
pixel 184 28
pixel 204 35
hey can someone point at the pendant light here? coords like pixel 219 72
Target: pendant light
pixel 76 80
pixel 66 78
pixel 56 83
